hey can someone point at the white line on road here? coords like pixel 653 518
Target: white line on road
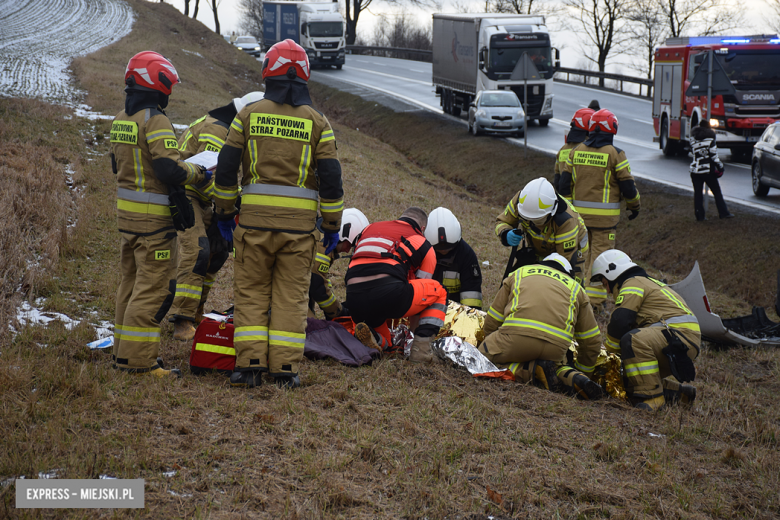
pixel 641 121
pixel 426 83
pixel 599 92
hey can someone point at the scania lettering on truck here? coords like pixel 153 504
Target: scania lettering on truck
pixel 476 52
pixel 318 27
pixel 752 65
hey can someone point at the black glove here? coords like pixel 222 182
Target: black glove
pixel 634 214
pixel 181 208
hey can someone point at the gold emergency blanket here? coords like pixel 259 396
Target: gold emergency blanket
pixel 464 322
pixel 607 373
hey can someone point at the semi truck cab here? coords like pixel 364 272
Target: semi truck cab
pixel 322 34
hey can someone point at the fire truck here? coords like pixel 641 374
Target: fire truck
pixel 752 64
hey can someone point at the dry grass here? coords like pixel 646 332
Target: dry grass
pixel 385 441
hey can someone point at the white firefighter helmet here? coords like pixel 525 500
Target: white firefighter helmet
pixel 560 260
pixel 537 200
pixel 241 102
pixel 443 229
pixel 353 222
pixel 610 264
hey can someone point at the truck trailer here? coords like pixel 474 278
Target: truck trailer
pixel 475 52
pixel 752 65
pixel 318 27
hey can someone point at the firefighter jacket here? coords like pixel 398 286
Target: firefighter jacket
pixel 641 301
pixel 397 248
pixel 542 302
pixel 560 162
pixel 458 271
pixel 704 151
pixel 596 178
pixel 564 234
pixel 321 290
pixel 205 134
pixel 290 168
pixel 145 158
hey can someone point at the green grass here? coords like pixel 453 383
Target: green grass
pixel 386 441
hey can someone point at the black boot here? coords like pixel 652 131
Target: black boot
pixel 288 382
pixel 587 389
pixel 686 394
pixel 247 379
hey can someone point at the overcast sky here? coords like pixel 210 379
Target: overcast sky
pixel 757 13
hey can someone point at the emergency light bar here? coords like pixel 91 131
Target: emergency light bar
pixel 736 41
pixel 774 40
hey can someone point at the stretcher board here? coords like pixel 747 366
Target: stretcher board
pixel 693 292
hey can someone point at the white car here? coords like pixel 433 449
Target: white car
pixel 497 111
pixel 248 44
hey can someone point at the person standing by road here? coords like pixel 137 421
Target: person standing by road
pixel 704 153
pixel 202 250
pixel 287 151
pixel 596 177
pixel 578 132
pixel 151 207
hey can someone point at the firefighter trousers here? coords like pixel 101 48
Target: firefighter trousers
pixel 644 363
pixel 271 289
pixel 198 265
pixel 600 240
pixel 518 353
pixel 148 267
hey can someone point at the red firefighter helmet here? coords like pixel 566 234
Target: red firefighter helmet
pixel 150 70
pixel 581 118
pixel 286 60
pixel 605 121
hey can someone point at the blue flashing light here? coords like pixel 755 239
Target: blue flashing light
pixel 742 40
pixel 774 40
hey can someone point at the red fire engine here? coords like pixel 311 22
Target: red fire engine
pixel 752 64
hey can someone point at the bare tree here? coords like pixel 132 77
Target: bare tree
pixel 699 17
pixel 648 30
pixel 774 21
pixel 186 7
pixel 195 10
pixel 403 32
pixel 355 7
pixel 518 7
pixel 251 21
pixel 214 5
pixel 603 24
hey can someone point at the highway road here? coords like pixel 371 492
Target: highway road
pixel 406 85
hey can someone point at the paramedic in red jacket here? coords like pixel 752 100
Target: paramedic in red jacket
pixel 390 277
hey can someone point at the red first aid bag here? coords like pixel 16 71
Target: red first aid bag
pixel 212 347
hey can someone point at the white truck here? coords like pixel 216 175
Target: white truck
pixel 476 52
pixel 318 27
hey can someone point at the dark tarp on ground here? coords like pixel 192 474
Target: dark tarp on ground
pixel 327 339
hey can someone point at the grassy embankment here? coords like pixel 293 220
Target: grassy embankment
pixel 385 441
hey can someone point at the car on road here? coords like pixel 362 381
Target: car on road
pixel 496 111
pixel 766 161
pixel 248 44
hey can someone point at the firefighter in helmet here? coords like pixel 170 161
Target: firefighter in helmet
pixel 202 250
pixel 151 207
pixel 547 224
pixel 390 277
pixel 596 177
pixel 538 311
pixel 353 222
pixel 457 267
pixel 578 132
pixel 287 152
pixel 652 330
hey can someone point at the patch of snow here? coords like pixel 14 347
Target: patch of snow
pixel 106 477
pixel 183 495
pixel 40 39
pixel 85 111
pixel 180 128
pixel 169 474
pixel 50 474
pixel 29 315
pixel 199 55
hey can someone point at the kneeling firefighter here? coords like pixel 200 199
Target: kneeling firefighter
pixel 538 311
pixel 202 249
pixel 653 331
pixel 353 222
pixel 389 277
pixel 546 223
pixel 457 267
